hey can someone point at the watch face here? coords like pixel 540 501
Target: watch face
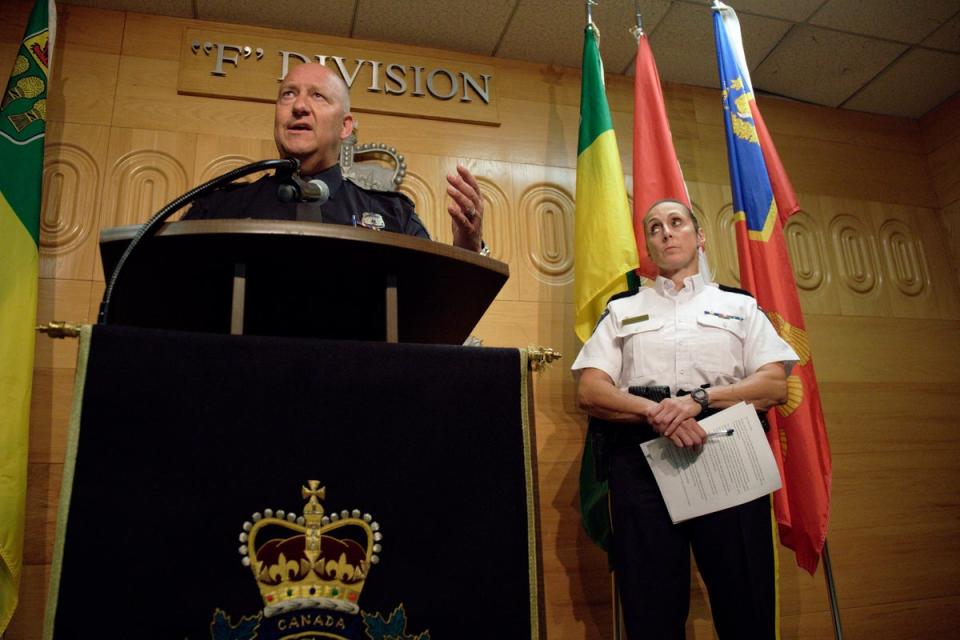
pixel 700 395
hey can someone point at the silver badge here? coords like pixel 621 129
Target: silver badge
pixel 372 221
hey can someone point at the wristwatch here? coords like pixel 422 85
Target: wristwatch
pixel 701 397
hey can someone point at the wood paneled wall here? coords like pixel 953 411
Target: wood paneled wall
pixel 941 136
pixel 871 254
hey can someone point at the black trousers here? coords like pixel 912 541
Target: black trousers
pixel 733 548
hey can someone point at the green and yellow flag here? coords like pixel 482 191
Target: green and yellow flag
pixel 604 246
pixel 23 113
pixel 605 250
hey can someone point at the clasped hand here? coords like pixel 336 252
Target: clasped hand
pixel 674 418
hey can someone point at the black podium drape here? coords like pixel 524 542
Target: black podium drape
pixel 182 437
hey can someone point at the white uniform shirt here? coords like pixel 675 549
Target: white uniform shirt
pixel 683 339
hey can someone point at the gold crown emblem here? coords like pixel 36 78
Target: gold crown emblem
pixel 313 560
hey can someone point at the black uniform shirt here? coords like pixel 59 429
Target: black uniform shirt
pixel 349 204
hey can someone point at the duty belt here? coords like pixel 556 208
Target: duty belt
pixel 609 436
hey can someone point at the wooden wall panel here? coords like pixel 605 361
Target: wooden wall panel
pixel 85 61
pixel 216 155
pixel 50 413
pixel 424 185
pixel 544 210
pixel 871 252
pixel 44 494
pixel 941 135
pixel 945 169
pixel 878 350
pixel 28 619
pixel 145 170
pixel 950 219
pixel 809 250
pixel 74 161
pixel 146 99
pixel 916 278
pixel 928 618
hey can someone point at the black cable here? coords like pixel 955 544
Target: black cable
pixel 150 226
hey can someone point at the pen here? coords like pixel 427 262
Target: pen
pixel 720 434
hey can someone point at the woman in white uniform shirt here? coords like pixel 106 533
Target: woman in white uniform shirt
pixel 658 360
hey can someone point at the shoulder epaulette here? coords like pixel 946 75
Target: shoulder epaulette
pixel 742 292
pixel 624 294
pixel 616 296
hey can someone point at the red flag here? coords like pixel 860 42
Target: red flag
pixel 763 200
pixel 656 172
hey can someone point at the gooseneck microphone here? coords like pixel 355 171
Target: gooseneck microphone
pixel 150 227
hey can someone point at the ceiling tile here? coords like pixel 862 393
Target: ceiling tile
pixel 792 10
pixel 946 37
pixel 330 17
pixel 686 51
pixel 552 32
pixel 901 20
pixel 896 90
pixel 822 66
pixel 472 27
pixel 177 8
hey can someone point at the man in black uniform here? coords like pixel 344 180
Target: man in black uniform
pixel 312 119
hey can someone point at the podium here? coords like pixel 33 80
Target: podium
pixel 307 479
pixel 303 279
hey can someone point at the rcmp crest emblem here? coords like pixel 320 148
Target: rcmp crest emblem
pixel 310 571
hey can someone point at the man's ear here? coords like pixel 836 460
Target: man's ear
pixel 347 127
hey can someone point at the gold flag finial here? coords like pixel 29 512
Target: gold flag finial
pixel 540 357
pixel 60 329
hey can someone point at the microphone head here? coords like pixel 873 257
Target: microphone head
pixel 318 192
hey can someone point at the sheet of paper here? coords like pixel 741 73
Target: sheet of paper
pixel 725 472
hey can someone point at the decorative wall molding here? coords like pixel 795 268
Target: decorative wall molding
pixel 221 165
pixel 425 203
pixel 856 260
pixel 545 214
pixel 497 223
pixel 723 243
pixel 71 179
pixel 804 240
pixel 141 182
pixel 904 258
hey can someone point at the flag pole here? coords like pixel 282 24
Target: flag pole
pixel 590 5
pixel 810 525
pixel 832 592
pixel 637 31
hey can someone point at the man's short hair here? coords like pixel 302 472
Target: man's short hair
pixel 344 91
